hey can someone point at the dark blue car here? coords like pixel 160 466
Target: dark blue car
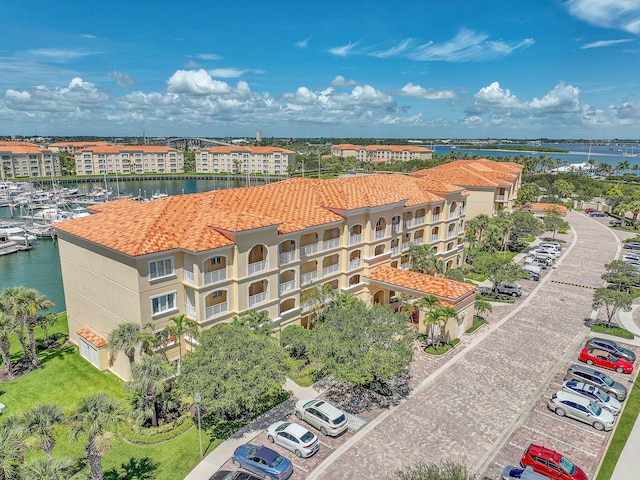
pixel 262 461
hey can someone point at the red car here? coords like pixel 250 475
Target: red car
pixel 589 210
pixel 600 358
pixel 551 464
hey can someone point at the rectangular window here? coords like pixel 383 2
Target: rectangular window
pixel 163 303
pixel 161 268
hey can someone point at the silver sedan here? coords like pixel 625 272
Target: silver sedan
pixel 294 438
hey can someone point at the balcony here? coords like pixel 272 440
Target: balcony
pixel 420 220
pixel 310 249
pixel 406 224
pixel 257 267
pixel 189 277
pixel 451 234
pixel 190 311
pixel 331 269
pixel 435 218
pixel 380 234
pixel 216 310
pixel 395 228
pixel 287 257
pixel 215 276
pixel 406 245
pixel 434 238
pixel 462 211
pixel 419 241
pixel 453 215
pixel 329 244
pixel 308 277
pixel 395 250
pixel 355 239
pixel 500 198
pixel 258 298
pixel 355 263
pixel 405 265
pixel 287 286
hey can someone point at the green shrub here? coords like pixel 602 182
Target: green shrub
pixel 477 323
pixel 136 434
pixel 443 348
pixel 492 299
pixel 616 331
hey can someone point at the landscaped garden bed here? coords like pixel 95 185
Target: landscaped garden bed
pixel 477 323
pixel 612 330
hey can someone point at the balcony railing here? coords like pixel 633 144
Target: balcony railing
pixel 395 250
pixel 419 241
pixel 453 214
pixel 451 234
pixel 215 276
pixel 189 277
pixel 217 309
pixel 308 277
pixel 406 224
pixel 435 218
pixel 395 228
pixel 258 298
pixel 434 238
pixel 406 245
pixel 355 263
pixel 404 266
pixel 310 249
pixel 190 311
pixel 256 267
pixel 287 286
pixel 420 220
pixel 355 239
pixel 332 243
pixel 330 269
pixel 500 198
pixel 462 210
pixel 380 234
pixel 287 257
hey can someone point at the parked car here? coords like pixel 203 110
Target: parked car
pixel 262 461
pixel 611 347
pixel 582 373
pixel 597 214
pixel 589 210
pixel 552 246
pixel 594 394
pixel 512 289
pixel 540 262
pixel 567 404
pixel 229 475
pixel 514 473
pixel 535 276
pixel 542 253
pixel 632 245
pixel 294 438
pixel 551 464
pixel 615 222
pixel 553 243
pixel 601 358
pixel 322 415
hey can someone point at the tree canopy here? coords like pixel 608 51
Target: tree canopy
pixel 499 268
pixel 612 301
pixel 621 275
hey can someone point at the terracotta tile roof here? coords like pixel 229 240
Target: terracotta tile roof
pixel 77 144
pixel 474 173
pixel 443 288
pixel 397 148
pixel 246 149
pixel 346 146
pixel 100 148
pixel 91 337
pixel 203 221
pixel 17 148
pixel 548 207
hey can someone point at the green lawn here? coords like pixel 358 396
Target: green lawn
pixel 64 379
pixel 625 424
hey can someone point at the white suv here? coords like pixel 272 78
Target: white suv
pixel 322 415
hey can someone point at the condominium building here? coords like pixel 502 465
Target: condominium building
pixel 73 147
pixel 27 160
pixel 492 186
pixel 125 160
pixel 382 153
pixel 215 255
pixel 241 159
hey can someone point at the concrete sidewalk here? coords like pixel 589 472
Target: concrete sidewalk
pixel 218 457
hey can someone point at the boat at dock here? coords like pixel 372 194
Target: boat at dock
pixel 8 246
pixel 16 233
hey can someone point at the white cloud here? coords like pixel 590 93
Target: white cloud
pixel 88 35
pixel 493 96
pixel 78 94
pixel 399 49
pixel 302 43
pixel 196 82
pixel 190 64
pixel 563 98
pixel 122 79
pixel 60 54
pixel 416 91
pixel 207 56
pixel 604 43
pixel 344 50
pixel 616 14
pixel 227 72
pixel 340 81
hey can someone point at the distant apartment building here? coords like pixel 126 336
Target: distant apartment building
pixel 244 159
pixel 215 255
pixel 382 153
pixel 125 160
pixel 27 160
pixel 73 147
pixel 492 186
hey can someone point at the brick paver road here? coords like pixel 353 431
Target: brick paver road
pixel 467 409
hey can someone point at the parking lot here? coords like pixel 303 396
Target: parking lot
pixel 581 443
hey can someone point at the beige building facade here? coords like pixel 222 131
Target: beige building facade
pixel 247 160
pixel 382 153
pixel 126 160
pixel 27 160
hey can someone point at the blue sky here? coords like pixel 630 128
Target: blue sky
pixel 421 69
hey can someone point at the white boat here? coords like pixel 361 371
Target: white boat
pixel 16 233
pixel 79 212
pixel 51 215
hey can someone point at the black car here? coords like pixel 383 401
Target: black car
pixel 611 347
pixel 229 475
pixel 632 245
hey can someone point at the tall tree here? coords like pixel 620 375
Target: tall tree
pixel 499 269
pixel 126 338
pixel 554 222
pixel 96 415
pixel 424 260
pixel 621 275
pixel 40 420
pixel 8 327
pixel 255 320
pixel 148 383
pixel 611 301
pixel 182 326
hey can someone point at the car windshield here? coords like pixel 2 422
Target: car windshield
pixel 613 358
pixel 339 420
pixel 593 408
pixel 278 460
pixel 603 397
pixel 309 404
pixel 607 380
pixel 307 437
pixel 568 467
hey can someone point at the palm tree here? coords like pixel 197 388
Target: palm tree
pixel 317 297
pixel 182 326
pixel 126 338
pixel 12 449
pixel 482 307
pixel 148 381
pixel 93 418
pixel 447 314
pixel 40 420
pixel 424 260
pixel 432 320
pixel 48 468
pixel 8 327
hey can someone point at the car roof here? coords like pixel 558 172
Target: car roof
pixel 328 408
pixel 603 340
pixel 296 429
pixel 544 452
pixel 580 386
pixel 572 397
pixel 267 454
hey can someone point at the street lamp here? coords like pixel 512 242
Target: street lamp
pixel 197 398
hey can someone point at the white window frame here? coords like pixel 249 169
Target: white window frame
pixel 167 308
pixel 161 262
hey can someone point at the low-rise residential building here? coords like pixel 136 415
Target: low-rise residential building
pixel 244 159
pixel 27 160
pixel 492 186
pixel 215 255
pixel 382 153
pixel 125 160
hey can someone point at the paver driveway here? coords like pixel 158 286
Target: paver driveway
pixel 466 409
